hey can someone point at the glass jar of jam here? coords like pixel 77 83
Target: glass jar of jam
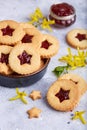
pixel 63 14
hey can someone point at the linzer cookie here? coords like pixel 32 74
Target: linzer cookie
pixel 4 54
pixel 10 32
pixel 27 60
pixel 48 46
pixel 31 35
pixel 63 95
pixel 78 80
pixel 77 38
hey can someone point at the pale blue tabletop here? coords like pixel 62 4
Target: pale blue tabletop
pixel 13 115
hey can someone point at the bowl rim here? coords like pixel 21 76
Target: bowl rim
pixel 31 74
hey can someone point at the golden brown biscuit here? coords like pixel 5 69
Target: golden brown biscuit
pixel 4 64
pixel 10 32
pixel 35 95
pixel 63 95
pixel 27 25
pixel 31 36
pixel 48 46
pixel 34 112
pixel 77 38
pixel 78 80
pixel 27 59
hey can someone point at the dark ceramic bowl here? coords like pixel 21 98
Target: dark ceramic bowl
pixel 16 80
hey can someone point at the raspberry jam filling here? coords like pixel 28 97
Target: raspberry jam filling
pixel 4 58
pixel 24 58
pixel 81 37
pixel 63 9
pixel 27 38
pixel 63 14
pixel 45 44
pixel 7 31
pixel 63 95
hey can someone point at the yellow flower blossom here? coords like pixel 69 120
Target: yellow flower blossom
pixel 20 95
pixel 46 24
pixel 36 16
pixel 75 60
pixel 38 13
pixel 78 115
pixel 38 19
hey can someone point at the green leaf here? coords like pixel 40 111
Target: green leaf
pixel 60 69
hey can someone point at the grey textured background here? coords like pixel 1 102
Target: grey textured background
pixel 13 114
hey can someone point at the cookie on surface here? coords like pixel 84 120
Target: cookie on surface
pixel 63 95
pixel 48 46
pixel 34 112
pixel 77 38
pixel 35 95
pixel 4 63
pixel 10 32
pixel 78 80
pixel 24 59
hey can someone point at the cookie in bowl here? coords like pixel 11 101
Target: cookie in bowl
pixel 4 63
pixel 17 80
pixel 48 46
pixel 27 60
pixel 10 32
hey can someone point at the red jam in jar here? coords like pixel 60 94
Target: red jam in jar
pixel 63 14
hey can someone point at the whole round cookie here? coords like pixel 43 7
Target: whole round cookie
pixel 78 80
pixel 77 38
pixel 48 46
pixel 24 59
pixel 10 32
pixel 4 64
pixel 63 95
pixel 31 36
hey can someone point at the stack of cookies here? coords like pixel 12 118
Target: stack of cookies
pixel 65 93
pixel 22 47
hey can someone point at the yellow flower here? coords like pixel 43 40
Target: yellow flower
pixel 38 19
pixel 38 13
pixel 75 60
pixel 46 24
pixel 20 95
pixel 36 16
pixel 78 115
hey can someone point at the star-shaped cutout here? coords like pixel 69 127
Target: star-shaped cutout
pixel 35 95
pixel 24 58
pixel 63 95
pixel 45 44
pixel 78 115
pixel 20 95
pixel 27 38
pixel 7 31
pixel 4 58
pixel 81 37
pixel 34 112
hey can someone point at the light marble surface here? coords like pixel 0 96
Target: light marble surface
pixel 13 114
